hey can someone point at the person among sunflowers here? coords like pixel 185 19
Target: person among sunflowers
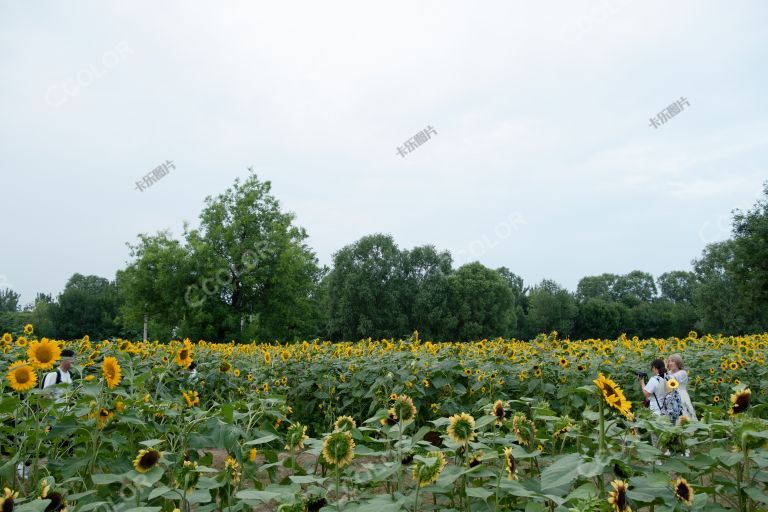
pixel 61 375
pixel 656 388
pixel 676 371
pixel 655 391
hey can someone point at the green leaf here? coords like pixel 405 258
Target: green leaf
pixel 757 495
pixel 306 479
pixel 563 471
pixel 261 440
pixel 158 492
pixel 584 492
pixel 148 479
pixel 264 496
pixel 479 492
pixel 104 478
pixel 32 506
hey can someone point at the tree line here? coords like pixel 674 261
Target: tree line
pixel 246 272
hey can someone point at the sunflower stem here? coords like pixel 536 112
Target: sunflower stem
pixel 601 446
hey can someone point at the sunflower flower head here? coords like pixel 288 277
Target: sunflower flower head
pixel 614 396
pixel 184 356
pixel 683 491
pixel 427 469
pixel 28 330
pixel 338 449
pixel 618 496
pixel 146 460
pixel 295 437
pixel 189 475
pixel 499 412
pixel 404 409
pixel 524 430
pixel 43 354
pixel 21 376
pixel 510 465
pixel 191 397
pixel 57 502
pixel 344 423
pixel 461 428
pixel 232 469
pixel 740 401
pixel 111 371
pixel 7 499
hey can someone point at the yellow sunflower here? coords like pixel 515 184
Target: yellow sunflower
pixel 7 499
pixel 683 491
pixel 146 460
pixel 7 338
pixel 295 437
pixel 404 409
pixel 111 371
pixel 183 357
pixel 618 497
pixel 191 397
pixel 499 412
pixel 672 384
pixel 344 423
pixel 338 448
pixel 509 464
pixel 461 428
pixel 28 329
pixel 21 376
pixel 740 401
pixel 426 473
pixel 43 354
pixel 614 396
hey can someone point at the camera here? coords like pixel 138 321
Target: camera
pixel 642 375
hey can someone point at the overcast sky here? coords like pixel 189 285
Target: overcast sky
pixel 544 158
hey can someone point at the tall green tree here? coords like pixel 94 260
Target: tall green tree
pixel 480 304
pixel 365 288
pixel 597 287
pixel 597 318
pixel 750 263
pixel 634 288
pixel 88 305
pixel 678 286
pixel 154 286
pixel 551 308
pixel 9 300
pixel 424 294
pixel 254 273
pixel 717 294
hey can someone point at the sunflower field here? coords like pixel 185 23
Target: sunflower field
pixel 548 424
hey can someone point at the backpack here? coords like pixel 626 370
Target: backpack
pixel 671 405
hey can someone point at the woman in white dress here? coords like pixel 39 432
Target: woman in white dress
pixel 676 370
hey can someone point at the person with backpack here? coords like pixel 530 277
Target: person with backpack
pixel 677 371
pixel 61 375
pixel 656 388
